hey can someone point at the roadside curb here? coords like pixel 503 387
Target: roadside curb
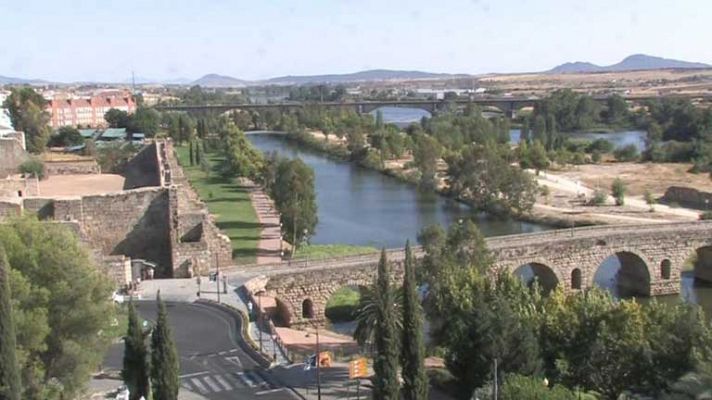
pixel 246 342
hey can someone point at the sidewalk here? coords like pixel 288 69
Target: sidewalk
pixel 269 248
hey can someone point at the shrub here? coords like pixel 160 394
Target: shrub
pixel 599 198
pixel 707 215
pixel 618 191
pixel 600 146
pixel 626 153
pixel 33 167
pixel 596 157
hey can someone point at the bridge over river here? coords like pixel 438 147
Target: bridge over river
pixel 508 105
pixel 652 258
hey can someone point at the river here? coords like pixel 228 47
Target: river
pixel 363 207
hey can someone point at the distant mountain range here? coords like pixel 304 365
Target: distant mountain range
pixel 361 76
pixel 630 63
pixel 8 80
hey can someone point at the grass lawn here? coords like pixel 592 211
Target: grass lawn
pixel 342 304
pixel 229 203
pixel 316 251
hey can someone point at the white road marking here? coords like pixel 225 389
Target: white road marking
pixel 223 382
pixel 269 391
pixel 234 360
pixel 195 374
pixel 212 384
pixel 199 385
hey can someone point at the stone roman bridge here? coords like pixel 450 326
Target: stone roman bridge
pixel 651 258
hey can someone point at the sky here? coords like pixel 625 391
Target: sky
pixel 105 40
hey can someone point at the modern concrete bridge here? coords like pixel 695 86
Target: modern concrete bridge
pixel 508 105
pixel 652 258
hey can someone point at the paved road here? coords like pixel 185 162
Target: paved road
pixel 212 363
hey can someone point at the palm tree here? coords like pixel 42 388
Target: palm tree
pixel 366 316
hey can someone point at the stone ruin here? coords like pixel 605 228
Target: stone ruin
pixel 156 220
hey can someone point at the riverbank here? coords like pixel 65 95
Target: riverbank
pixel 563 207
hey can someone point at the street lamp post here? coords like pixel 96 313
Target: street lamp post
pixel 259 317
pixel 304 239
pixel 217 276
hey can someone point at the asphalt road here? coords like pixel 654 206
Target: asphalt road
pixel 211 361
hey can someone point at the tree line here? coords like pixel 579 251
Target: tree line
pixel 562 346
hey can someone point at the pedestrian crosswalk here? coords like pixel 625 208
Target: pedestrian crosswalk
pixel 215 383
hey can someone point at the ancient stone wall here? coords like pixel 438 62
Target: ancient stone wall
pixel 688 197
pixel 135 223
pixel 10 208
pixel 144 169
pixel 12 154
pixel 13 186
pixel 78 167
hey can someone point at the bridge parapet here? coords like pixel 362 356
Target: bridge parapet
pixel 652 258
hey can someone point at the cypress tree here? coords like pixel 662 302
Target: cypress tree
pixel 164 358
pixel 415 385
pixel 9 372
pixel 190 152
pixel 197 152
pixel 385 365
pixel 135 371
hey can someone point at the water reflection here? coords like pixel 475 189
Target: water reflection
pixel 363 207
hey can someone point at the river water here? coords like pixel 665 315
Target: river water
pixel 363 207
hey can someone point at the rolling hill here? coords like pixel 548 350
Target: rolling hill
pixel 630 63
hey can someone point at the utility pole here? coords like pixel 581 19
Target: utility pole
pixel 495 389
pixel 217 276
pixel 318 366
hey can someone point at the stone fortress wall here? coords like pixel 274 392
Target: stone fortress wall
pixel 12 153
pixel 155 219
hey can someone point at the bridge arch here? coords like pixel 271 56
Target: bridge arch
pixel 342 303
pixel 625 273
pixel 538 271
pixel 308 309
pixel 699 265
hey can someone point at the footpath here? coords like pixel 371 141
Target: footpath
pixel 269 248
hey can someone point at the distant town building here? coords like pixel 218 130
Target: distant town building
pixel 87 111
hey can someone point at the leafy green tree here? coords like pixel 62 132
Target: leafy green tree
pixel 538 157
pixel 415 386
pixel 136 370
pixel 241 159
pixel 385 365
pixel 116 118
pixel 27 114
pixel 191 157
pixel 519 387
pixel 488 180
pixel 66 136
pixel 165 366
pixel 618 190
pixel 147 121
pixel 295 198
pixel 33 167
pixel 626 153
pixel 9 374
pixel 617 112
pixel 426 155
pixel 61 307
pixel 379 119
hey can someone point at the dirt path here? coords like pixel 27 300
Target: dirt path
pixel 574 188
pixel 269 247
